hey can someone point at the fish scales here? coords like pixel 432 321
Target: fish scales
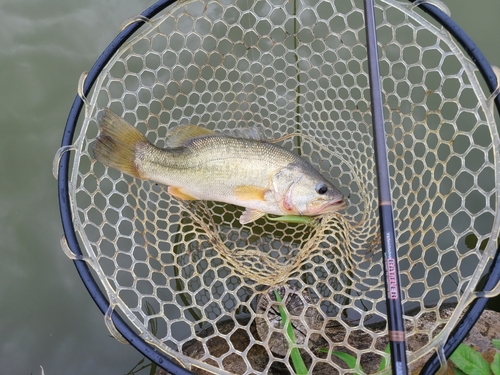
pixel 217 163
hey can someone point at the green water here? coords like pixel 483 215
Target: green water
pixel 46 315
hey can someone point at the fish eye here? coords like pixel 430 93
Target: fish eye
pixel 321 189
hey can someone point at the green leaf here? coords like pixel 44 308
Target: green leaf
pixel 347 358
pixel 383 364
pixel 495 365
pixel 284 319
pixel 457 371
pixel 470 361
pixel 298 363
pixel 496 343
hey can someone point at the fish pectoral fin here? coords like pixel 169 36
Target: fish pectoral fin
pixel 178 193
pixel 250 193
pixel 179 135
pixel 250 215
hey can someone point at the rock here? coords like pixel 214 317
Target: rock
pixel 258 357
pixel 479 338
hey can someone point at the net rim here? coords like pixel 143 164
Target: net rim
pixel 69 229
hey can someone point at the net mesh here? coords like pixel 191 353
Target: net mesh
pixel 188 275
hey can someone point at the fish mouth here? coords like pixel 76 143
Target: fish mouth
pixel 332 206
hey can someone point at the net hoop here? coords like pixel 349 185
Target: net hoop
pixel 67 219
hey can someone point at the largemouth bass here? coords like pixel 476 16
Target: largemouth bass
pixel 199 164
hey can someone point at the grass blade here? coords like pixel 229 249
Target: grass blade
pixel 384 364
pixel 347 358
pixel 298 363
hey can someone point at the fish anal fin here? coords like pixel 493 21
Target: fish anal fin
pixel 178 193
pixel 179 135
pixel 249 192
pixel 250 215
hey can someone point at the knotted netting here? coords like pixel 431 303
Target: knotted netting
pixel 193 282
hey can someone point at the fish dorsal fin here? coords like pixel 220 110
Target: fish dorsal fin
pixel 256 133
pixel 179 135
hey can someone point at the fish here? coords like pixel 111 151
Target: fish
pixel 200 164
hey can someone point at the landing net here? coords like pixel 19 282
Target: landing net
pixel 185 276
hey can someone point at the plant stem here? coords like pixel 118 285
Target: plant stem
pixel 298 363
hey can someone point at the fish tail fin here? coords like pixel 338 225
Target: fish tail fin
pixel 117 143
